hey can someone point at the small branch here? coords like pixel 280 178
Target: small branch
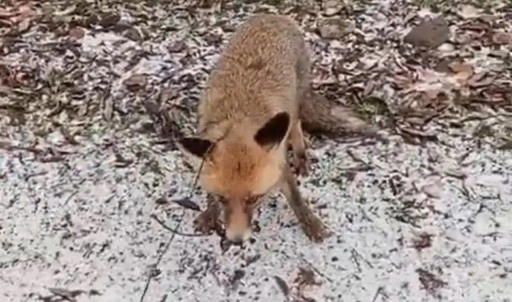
pixel 378 293
pixel 174 231
pixel 169 242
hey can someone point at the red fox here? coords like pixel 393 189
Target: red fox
pixel 247 116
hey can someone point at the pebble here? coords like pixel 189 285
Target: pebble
pixel 430 33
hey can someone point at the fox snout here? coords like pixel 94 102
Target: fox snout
pixel 237 222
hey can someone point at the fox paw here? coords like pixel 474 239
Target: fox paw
pixel 207 222
pixel 314 228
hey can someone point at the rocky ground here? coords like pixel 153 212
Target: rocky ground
pixel 93 93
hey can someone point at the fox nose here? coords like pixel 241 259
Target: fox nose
pixel 238 240
pixel 238 237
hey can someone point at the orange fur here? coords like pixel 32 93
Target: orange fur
pixel 239 168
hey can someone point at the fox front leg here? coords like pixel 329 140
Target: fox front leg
pixel 312 226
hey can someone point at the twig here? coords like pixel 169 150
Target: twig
pixel 377 293
pixel 356 158
pixel 174 231
pixel 71 196
pixel 35 174
pixel 10 147
pixel 74 192
pixel 159 259
pixel 316 270
pixel 355 256
pixel 169 242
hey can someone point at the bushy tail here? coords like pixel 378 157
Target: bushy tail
pixel 321 115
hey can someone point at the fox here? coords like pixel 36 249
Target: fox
pixel 247 117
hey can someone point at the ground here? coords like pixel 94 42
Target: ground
pixel 93 94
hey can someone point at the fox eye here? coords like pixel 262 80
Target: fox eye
pixel 222 199
pixel 253 199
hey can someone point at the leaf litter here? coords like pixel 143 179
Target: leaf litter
pixel 82 83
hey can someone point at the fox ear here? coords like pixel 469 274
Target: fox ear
pixel 274 130
pixel 195 148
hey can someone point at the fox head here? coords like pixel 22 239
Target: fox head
pixel 240 169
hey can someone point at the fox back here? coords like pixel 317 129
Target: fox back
pixel 249 105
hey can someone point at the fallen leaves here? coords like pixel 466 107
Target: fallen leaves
pixel 109 20
pixel 121 161
pixel 187 204
pixel 305 280
pixel 306 277
pixel 463 71
pixel 67 295
pixel 283 286
pixel 332 7
pixel 14 76
pixel 433 190
pixel 505 146
pixel 469 12
pixel 431 283
pixel 422 241
pixel 45 155
pixel 502 38
pixel 76 33
pixel 136 82
pixel 16 20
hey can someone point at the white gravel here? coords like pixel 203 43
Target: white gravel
pixel 85 224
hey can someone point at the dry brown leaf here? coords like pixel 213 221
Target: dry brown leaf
pixel 135 82
pixel 404 82
pixel 24 25
pixel 463 71
pixel 502 38
pixel 469 12
pixel 24 12
pixel 332 7
pixel 76 33
pixel 417 121
pixel 422 241
pixel 7 13
pixel 433 190
pixel 481 79
pixel 20 77
pixel 458 66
